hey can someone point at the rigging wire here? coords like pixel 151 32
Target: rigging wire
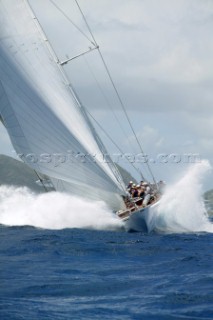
pixel 41 180
pixel 107 70
pixel 100 143
pixel 96 46
pixel 107 101
pixel 122 129
pixel 115 144
pixel 68 18
pixel 116 91
pixel 53 54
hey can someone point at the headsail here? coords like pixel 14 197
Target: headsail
pixel 45 121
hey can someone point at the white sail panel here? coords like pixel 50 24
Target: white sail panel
pixel 42 116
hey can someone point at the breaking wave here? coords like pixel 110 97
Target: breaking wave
pixel 53 210
pixel 182 207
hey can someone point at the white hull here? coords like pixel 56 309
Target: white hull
pixel 142 219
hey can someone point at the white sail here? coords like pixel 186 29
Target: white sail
pixel 45 121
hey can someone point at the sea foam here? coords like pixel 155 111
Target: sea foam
pixel 182 207
pixel 53 210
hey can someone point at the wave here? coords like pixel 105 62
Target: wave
pixel 53 210
pixel 182 207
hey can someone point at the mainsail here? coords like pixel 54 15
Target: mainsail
pixel 47 125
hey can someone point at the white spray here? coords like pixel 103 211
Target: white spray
pixel 54 210
pixel 182 208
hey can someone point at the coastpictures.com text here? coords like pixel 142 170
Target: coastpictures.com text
pixel 56 159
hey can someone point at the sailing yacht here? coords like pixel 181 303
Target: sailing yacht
pixel 46 122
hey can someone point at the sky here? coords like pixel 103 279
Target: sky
pixel 159 53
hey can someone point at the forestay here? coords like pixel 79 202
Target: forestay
pixel 46 123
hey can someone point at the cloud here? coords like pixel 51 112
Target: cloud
pixel 149 138
pixel 201 126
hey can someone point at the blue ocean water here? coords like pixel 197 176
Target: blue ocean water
pixel 90 274
pixel 63 257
